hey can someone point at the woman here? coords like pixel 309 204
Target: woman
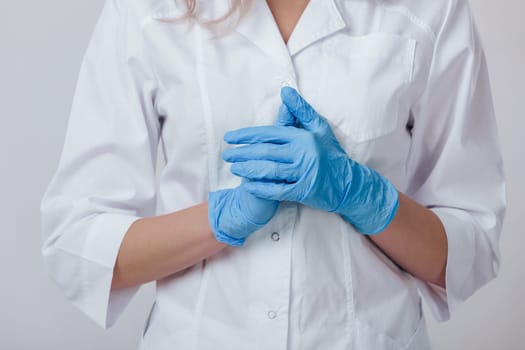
pixel 370 176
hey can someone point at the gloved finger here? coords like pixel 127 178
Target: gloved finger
pixel 301 109
pixel 257 134
pixel 266 170
pixel 259 151
pixel 284 117
pixel 271 190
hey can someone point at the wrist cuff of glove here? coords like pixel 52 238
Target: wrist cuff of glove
pixel 214 216
pixel 224 238
pixel 372 213
pixel 389 218
pixel 368 229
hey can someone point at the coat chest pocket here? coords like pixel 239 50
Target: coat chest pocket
pixel 365 78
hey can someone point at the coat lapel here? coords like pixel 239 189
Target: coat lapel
pixel 320 19
pixel 258 26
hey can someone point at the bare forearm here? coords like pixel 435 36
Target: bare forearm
pixel 158 246
pixel 416 241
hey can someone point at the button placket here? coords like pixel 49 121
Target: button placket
pixel 272 281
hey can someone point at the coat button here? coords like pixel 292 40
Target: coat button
pixel 272 314
pixel 288 82
pixel 275 236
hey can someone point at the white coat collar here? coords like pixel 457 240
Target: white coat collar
pixel 320 19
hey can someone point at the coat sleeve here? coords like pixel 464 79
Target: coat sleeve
pixel 455 165
pixel 105 179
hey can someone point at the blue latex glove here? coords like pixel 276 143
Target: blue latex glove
pixel 308 165
pixel 234 214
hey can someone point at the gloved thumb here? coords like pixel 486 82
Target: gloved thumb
pixel 284 117
pixel 300 109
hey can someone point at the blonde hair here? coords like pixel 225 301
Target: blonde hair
pixel 237 7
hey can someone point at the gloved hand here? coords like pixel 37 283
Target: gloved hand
pixel 234 214
pixel 308 165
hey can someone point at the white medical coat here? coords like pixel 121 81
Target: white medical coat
pixel 404 85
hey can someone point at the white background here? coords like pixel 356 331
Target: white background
pixel 42 43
